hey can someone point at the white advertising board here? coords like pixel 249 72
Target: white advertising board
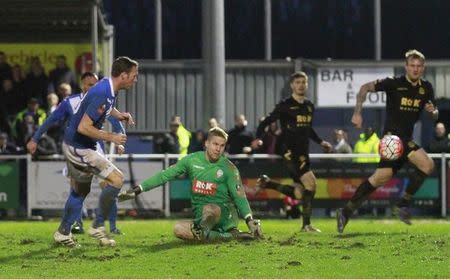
pixel 48 188
pixel 338 87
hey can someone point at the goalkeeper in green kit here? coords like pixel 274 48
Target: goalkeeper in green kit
pixel 218 196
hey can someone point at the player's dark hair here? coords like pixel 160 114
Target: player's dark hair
pixel 218 132
pixel 414 54
pixel 88 74
pixel 122 64
pixel 2 53
pixel 299 74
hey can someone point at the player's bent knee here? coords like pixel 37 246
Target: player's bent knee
pixel 380 181
pixel 380 177
pixel 427 167
pixel 212 210
pixel 115 179
pixel 183 231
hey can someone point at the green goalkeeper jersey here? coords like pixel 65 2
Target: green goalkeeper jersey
pixel 218 182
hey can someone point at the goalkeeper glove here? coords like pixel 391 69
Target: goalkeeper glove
pixel 254 226
pixel 129 194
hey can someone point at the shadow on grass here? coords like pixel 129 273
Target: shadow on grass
pixel 40 253
pixel 368 234
pixel 180 244
pixel 171 245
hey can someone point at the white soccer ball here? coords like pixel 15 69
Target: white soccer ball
pixel 390 148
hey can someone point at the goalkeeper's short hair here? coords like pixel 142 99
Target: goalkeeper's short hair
pixel 218 132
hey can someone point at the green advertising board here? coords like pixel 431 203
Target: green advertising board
pixel 9 184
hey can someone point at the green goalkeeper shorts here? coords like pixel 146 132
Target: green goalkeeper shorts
pixel 229 217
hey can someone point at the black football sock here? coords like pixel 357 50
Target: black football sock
pixel 361 194
pixel 308 196
pixel 415 181
pixel 284 189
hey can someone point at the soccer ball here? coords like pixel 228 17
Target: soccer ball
pixel 390 148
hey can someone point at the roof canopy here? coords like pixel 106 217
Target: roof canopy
pixel 47 20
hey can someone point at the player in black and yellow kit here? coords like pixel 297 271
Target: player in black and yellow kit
pixel 296 115
pixel 406 96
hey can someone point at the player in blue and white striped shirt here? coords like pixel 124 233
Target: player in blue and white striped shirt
pixel 83 158
pixel 62 114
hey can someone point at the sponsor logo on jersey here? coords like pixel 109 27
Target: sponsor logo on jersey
pixel 205 188
pixel 219 173
pixel 409 104
pixel 198 167
pixel 304 120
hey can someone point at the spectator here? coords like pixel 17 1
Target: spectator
pixel 340 143
pixel 198 142
pixel 5 68
pixel 61 74
pixel 27 121
pixel 12 98
pixel 271 144
pixel 212 123
pixel 168 142
pixel 4 123
pixel 239 138
pixel 184 136
pixel 36 81
pixel 440 141
pixel 52 103
pixel 17 77
pixel 7 147
pixel 64 91
pixel 368 143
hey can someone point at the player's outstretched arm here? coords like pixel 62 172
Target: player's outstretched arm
pixel 360 99
pixel 156 180
pixel 59 115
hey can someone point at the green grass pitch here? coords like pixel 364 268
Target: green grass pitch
pixel 368 249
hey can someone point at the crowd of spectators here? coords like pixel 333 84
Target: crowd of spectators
pixel 28 97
